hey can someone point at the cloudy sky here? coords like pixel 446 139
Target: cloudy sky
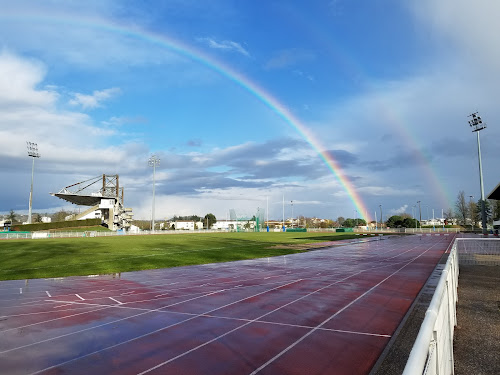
pixel 239 99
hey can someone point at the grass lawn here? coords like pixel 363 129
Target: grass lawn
pixel 27 259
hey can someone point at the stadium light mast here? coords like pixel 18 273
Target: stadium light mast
pixel 32 152
pixel 153 162
pixel 476 123
pixel 420 215
pixel 291 202
pixel 381 217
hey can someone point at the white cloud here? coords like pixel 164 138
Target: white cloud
pixel 398 211
pixel 17 79
pixel 227 45
pixel 95 100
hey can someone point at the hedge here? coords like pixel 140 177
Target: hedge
pixel 57 225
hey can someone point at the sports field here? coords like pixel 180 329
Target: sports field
pixel 329 311
pixel 26 259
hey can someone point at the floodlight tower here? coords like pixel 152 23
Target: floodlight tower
pixel 291 202
pixel 381 217
pixel 477 125
pixel 32 152
pixel 153 162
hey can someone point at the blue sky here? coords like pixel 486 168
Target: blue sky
pixel 386 86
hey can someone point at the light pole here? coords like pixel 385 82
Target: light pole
pixel 381 217
pixel 470 208
pixel 420 215
pixel 153 162
pixel 32 152
pixel 477 125
pixel 291 202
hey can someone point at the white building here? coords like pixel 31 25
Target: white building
pixel 184 225
pixel 231 225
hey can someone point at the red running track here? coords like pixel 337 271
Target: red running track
pixel 329 311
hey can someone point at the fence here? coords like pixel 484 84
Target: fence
pixel 479 251
pixel 40 235
pixel 432 352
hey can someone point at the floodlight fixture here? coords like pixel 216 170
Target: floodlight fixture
pixel 32 152
pixel 153 161
pixel 476 123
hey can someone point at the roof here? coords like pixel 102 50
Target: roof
pixel 82 200
pixel 495 193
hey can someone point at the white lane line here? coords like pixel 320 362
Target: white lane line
pixel 160 295
pixel 334 315
pixel 246 324
pixel 52 320
pixel 118 302
pixel 83 299
pixel 279 308
pixel 48 293
pixel 68 304
pixel 147 334
pixel 124 294
pixel 20 290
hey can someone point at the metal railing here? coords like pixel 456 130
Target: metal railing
pixel 432 352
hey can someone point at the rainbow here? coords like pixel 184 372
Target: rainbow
pixel 191 53
pixel 387 112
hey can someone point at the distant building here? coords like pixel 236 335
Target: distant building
pixel 234 225
pixel 46 219
pixel 184 225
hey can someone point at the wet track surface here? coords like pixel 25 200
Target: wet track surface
pixel 329 311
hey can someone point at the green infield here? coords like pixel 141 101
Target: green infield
pixel 27 259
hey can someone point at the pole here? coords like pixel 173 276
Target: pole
pixel 153 208
pixel 442 215
pixel 483 203
pixel 433 225
pixel 381 217
pixel 153 162
pixel 32 152
pixel 420 214
pixel 267 212
pixel 477 125
pixel 31 192
pixel 376 226
pixel 283 222
pixel 291 202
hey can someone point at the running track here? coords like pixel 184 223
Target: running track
pixel 329 311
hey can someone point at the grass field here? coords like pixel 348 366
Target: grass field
pixel 27 259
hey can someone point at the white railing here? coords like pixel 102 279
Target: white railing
pixel 432 352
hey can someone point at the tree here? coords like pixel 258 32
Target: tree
pixel 340 220
pixel 38 218
pixel 461 208
pixel 349 223
pixel 395 221
pixel 495 209
pixel 474 212
pixel 448 216
pixel 477 211
pixel 209 220
pixel 12 216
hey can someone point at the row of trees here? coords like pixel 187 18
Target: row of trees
pixel 13 217
pixel 470 212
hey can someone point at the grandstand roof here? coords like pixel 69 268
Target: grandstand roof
pixel 81 200
pixel 495 193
